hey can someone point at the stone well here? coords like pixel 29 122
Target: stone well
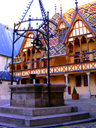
pixel 36 95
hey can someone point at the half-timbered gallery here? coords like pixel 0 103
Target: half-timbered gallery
pixel 72 53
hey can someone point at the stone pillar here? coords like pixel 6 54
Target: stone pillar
pixel 20 81
pixel 47 79
pixel 66 75
pixel 33 81
pixel 89 92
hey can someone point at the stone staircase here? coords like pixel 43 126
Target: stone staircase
pixel 21 117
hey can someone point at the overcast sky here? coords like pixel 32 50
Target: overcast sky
pixel 11 10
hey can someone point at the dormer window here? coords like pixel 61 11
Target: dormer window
pixel 62 31
pixel 62 25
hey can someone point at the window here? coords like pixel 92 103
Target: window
pixel 62 31
pixel 60 37
pixel 85 80
pixel 78 81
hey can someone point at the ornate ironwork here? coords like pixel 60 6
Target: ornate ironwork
pixel 42 33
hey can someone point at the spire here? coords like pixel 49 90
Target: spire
pixel 76 5
pixel 61 10
pixel 55 9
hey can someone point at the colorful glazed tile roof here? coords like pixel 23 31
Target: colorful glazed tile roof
pixel 56 47
pixel 87 10
pixel 17 58
pixel 89 13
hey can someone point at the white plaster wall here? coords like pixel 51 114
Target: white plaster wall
pixel 4 62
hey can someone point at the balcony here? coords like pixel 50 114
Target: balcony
pixel 82 66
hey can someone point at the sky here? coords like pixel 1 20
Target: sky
pixel 11 10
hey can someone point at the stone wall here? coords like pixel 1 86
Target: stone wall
pixel 5 90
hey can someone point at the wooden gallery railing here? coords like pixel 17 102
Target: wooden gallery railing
pixel 58 69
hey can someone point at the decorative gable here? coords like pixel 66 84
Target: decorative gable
pixel 79 29
pixel 62 25
pixel 79 26
pixel 28 42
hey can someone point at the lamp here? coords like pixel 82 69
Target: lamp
pixel 37 43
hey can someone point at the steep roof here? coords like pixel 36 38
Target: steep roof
pixel 87 10
pixel 6 41
pixel 4 75
pixel 56 47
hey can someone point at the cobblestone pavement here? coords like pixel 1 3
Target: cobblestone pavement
pixel 88 105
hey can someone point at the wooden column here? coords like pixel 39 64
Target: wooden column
pixel 73 47
pixel 30 54
pixel 22 57
pixel 95 43
pixel 35 58
pixel 87 46
pixel 21 66
pixel 40 58
pixel 26 56
pixel 53 60
pixel 81 56
pixel 15 67
pixel 67 58
pixel 30 58
pixel 80 46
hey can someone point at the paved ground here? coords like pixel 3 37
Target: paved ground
pixel 88 105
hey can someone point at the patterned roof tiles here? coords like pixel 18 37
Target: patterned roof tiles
pixel 87 10
pixel 89 13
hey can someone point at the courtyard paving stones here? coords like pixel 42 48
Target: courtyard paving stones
pixel 88 105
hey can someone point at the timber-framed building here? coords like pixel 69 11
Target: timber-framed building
pixel 72 53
